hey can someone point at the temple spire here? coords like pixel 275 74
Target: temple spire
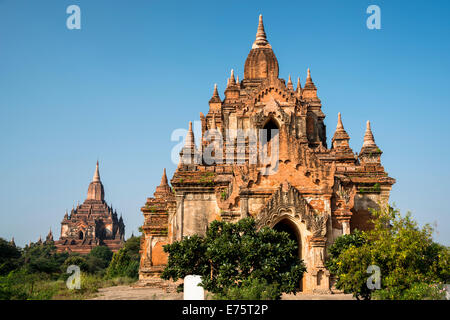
pixel 96 177
pixel 299 85
pixel 340 138
pixel 163 189
pixel 289 83
pixel 164 181
pixel 190 140
pixel 370 153
pixel 339 126
pixel 215 97
pixel 261 38
pixel 95 190
pixel 232 79
pixel 309 90
pixel 369 140
pixel 308 76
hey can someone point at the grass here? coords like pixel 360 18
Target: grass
pixel 21 286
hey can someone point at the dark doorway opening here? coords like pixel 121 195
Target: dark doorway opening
pixel 269 126
pixel 291 229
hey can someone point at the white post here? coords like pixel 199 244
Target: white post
pixel 192 289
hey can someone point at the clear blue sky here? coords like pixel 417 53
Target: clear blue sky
pixel 137 70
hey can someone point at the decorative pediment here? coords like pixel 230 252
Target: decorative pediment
pixel 287 200
pixel 271 109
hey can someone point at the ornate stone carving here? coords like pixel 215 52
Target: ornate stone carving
pixel 282 202
pixel 271 109
pixel 317 224
pixel 288 200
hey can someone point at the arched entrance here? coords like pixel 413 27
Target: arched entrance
pixel 291 229
pixel 269 126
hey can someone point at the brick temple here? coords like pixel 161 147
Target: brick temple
pixel 314 192
pixel 92 223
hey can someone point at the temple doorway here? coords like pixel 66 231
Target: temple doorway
pixel 291 229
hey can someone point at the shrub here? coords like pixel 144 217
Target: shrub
pixel 125 262
pixel 251 289
pixel 417 291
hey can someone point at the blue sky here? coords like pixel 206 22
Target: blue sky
pixel 137 70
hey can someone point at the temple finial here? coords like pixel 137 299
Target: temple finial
pixel 215 97
pixel 369 140
pixel 340 138
pixel 308 77
pixel 164 181
pixel 339 123
pixel 261 38
pixel 190 140
pixel 96 177
pixel 289 83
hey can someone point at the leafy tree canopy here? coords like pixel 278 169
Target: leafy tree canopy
pixel 406 255
pixel 9 257
pixel 232 254
pixel 42 257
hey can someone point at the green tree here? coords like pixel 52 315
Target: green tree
pixel 98 259
pixel 232 254
pixel 77 260
pixel 125 262
pixel 406 255
pixel 103 253
pixel 42 257
pixel 9 257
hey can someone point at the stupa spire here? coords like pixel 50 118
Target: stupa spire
pixel 309 90
pixel 215 97
pixel 164 181
pixel 370 153
pixel 369 140
pixel 232 79
pixel 340 138
pixel 308 76
pixel 299 85
pixel 189 143
pixel 261 38
pixel 289 83
pixel 95 190
pixel 339 126
pixel 96 177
